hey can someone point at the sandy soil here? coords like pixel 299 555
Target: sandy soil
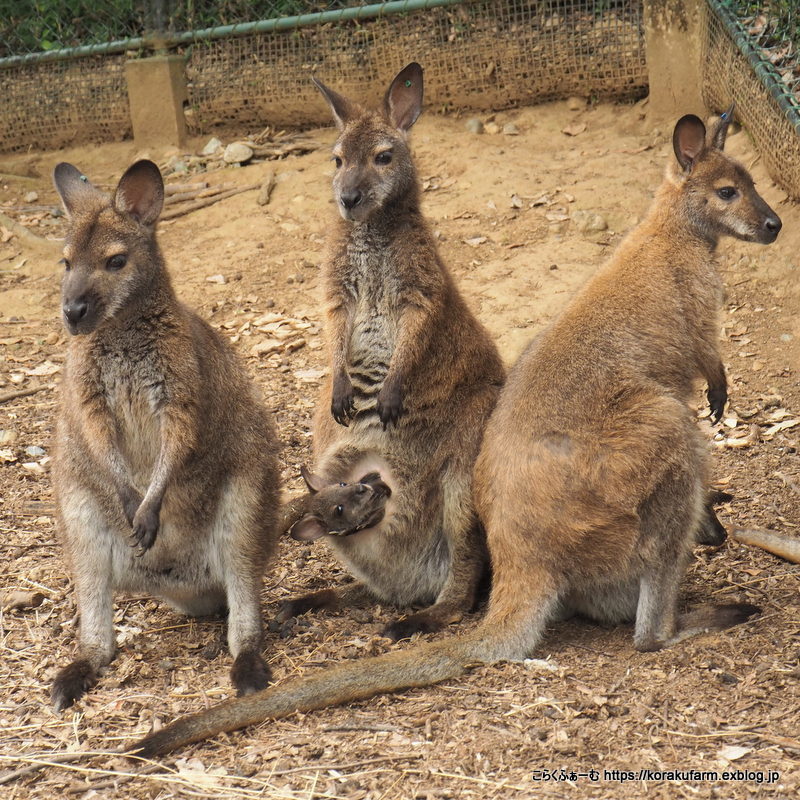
pixel 504 207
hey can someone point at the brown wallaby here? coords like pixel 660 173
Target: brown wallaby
pixel 414 378
pixel 161 443
pixel 339 509
pixel 591 473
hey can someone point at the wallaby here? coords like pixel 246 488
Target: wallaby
pixel 339 509
pixel 165 473
pixel 590 477
pixel 414 378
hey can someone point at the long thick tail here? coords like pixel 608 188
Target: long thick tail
pixel 423 665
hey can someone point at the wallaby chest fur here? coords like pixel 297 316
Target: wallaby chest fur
pixel 161 442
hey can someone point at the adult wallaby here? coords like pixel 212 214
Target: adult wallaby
pixel 591 473
pixel 414 377
pixel 165 474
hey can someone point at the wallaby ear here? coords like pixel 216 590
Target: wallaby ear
pixel 140 192
pixel 688 140
pixel 314 482
pixel 720 130
pixel 341 108
pixel 308 529
pixel 403 101
pixel 72 186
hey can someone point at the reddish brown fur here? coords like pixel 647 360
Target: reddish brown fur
pixel 590 478
pixel 414 376
pixel 161 443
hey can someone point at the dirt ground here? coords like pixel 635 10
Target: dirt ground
pixel 504 207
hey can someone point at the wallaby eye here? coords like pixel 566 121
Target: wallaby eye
pixel 67 265
pixel 384 158
pixel 116 263
pixel 726 192
pixel 337 161
pixel 339 511
pixel 342 484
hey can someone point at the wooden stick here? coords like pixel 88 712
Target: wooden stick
pixel 781 545
pixel 177 188
pixel 203 191
pixel 4 398
pixel 207 201
pixel 24 234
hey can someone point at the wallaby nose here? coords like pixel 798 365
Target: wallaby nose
pixel 361 488
pixel 76 310
pixel 351 199
pixel 773 225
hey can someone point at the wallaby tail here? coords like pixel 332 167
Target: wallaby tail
pixel 422 665
pixel 712 618
pixel 787 547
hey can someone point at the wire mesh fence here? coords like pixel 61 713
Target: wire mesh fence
pixel 32 26
pixel 736 66
pixel 477 54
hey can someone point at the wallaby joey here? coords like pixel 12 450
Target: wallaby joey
pixel 340 509
pixel 414 377
pixel 165 474
pixel 591 473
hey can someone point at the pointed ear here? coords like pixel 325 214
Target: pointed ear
pixel 140 192
pixel 403 101
pixel 719 132
pixel 314 482
pixel 72 186
pixel 341 108
pixel 688 140
pixel 308 529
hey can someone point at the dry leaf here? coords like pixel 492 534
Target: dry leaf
pixel 45 368
pixel 768 433
pixel 475 241
pixel 733 752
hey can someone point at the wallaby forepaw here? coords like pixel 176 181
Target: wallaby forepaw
pixel 145 527
pixel 72 683
pixel 131 502
pixel 249 673
pixel 390 404
pixel 343 404
pixel 406 628
pixel 716 401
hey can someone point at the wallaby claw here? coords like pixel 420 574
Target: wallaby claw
pixel 343 404
pixel 145 527
pixel 389 405
pixel 716 401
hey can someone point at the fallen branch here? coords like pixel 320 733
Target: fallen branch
pixel 200 191
pixel 177 188
pixel 26 235
pixel 779 544
pixel 4 398
pixel 207 201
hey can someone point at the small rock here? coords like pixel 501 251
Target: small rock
pixel 361 615
pixel 516 201
pixel 589 221
pixel 786 337
pixel 237 153
pixel 212 146
pixel 52 338
pixel 216 279
pixel 492 128
pixel 8 437
pixel 474 125
pixel 576 103
pixel 35 451
pixel 510 129
pixel 176 164
pixel 33 467
pixel 31 197
pixel 575 129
